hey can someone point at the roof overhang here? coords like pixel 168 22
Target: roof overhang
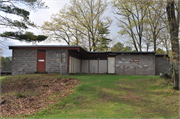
pixel 78 49
pixel 162 55
pixel 45 47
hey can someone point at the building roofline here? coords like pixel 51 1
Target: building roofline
pixel 43 46
pixel 161 55
pixel 74 48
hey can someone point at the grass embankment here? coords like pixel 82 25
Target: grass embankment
pixel 26 94
pixel 114 96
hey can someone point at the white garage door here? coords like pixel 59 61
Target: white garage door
pixel 111 63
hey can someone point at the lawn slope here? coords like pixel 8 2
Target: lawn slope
pixel 115 96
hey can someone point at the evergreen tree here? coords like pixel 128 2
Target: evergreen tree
pixel 15 7
pixel 103 40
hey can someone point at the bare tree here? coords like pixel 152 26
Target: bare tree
pixel 156 12
pixel 133 13
pixel 79 21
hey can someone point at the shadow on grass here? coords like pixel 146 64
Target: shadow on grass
pixel 136 97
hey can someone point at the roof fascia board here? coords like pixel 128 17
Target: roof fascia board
pixel 73 48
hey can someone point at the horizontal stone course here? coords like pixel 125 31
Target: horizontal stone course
pixel 24 61
pixel 144 65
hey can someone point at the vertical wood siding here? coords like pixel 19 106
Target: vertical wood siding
pixel 74 65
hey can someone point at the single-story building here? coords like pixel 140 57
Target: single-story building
pixel 74 59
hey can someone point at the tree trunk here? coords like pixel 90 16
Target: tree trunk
pixel 147 48
pixel 154 40
pixel 173 25
pixel 89 39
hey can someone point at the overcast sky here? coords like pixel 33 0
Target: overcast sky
pixel 42 15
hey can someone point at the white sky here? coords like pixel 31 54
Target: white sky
pixel 42 15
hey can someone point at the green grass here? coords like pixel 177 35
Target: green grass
pixel 115 96
pixel 3 77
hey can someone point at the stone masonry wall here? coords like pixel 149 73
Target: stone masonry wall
pixel 24 61
pixel 54 57
pixel 135 65
pixel 162 65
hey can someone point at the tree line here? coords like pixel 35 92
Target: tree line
pixel 6 63
pixel 84 23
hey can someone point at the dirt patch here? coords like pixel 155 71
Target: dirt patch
pixel 131 96
pixel 30 94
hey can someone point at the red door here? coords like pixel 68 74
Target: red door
pixel 41 59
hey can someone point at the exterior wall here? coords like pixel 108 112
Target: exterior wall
pixel 93 66
pixel 135 65
pixel 85 66
pixel 102 66
pixel 74 65
pixel 24 61
pixel 162 65
pixel 54 57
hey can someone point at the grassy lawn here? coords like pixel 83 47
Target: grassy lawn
pixel 2 77
pixel 114 96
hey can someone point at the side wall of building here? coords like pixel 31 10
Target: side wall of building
pixel 135 65
pixel 24 61
pixel 55 57
pixel 162 65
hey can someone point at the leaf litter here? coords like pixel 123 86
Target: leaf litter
pixel 32 94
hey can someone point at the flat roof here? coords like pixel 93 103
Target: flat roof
pixel 20 46
pixel 73 48
pixel 161 55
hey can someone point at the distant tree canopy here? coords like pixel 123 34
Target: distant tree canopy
pixel 6 63
pixel 119 47
pixel 160 51
pixel 20 9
